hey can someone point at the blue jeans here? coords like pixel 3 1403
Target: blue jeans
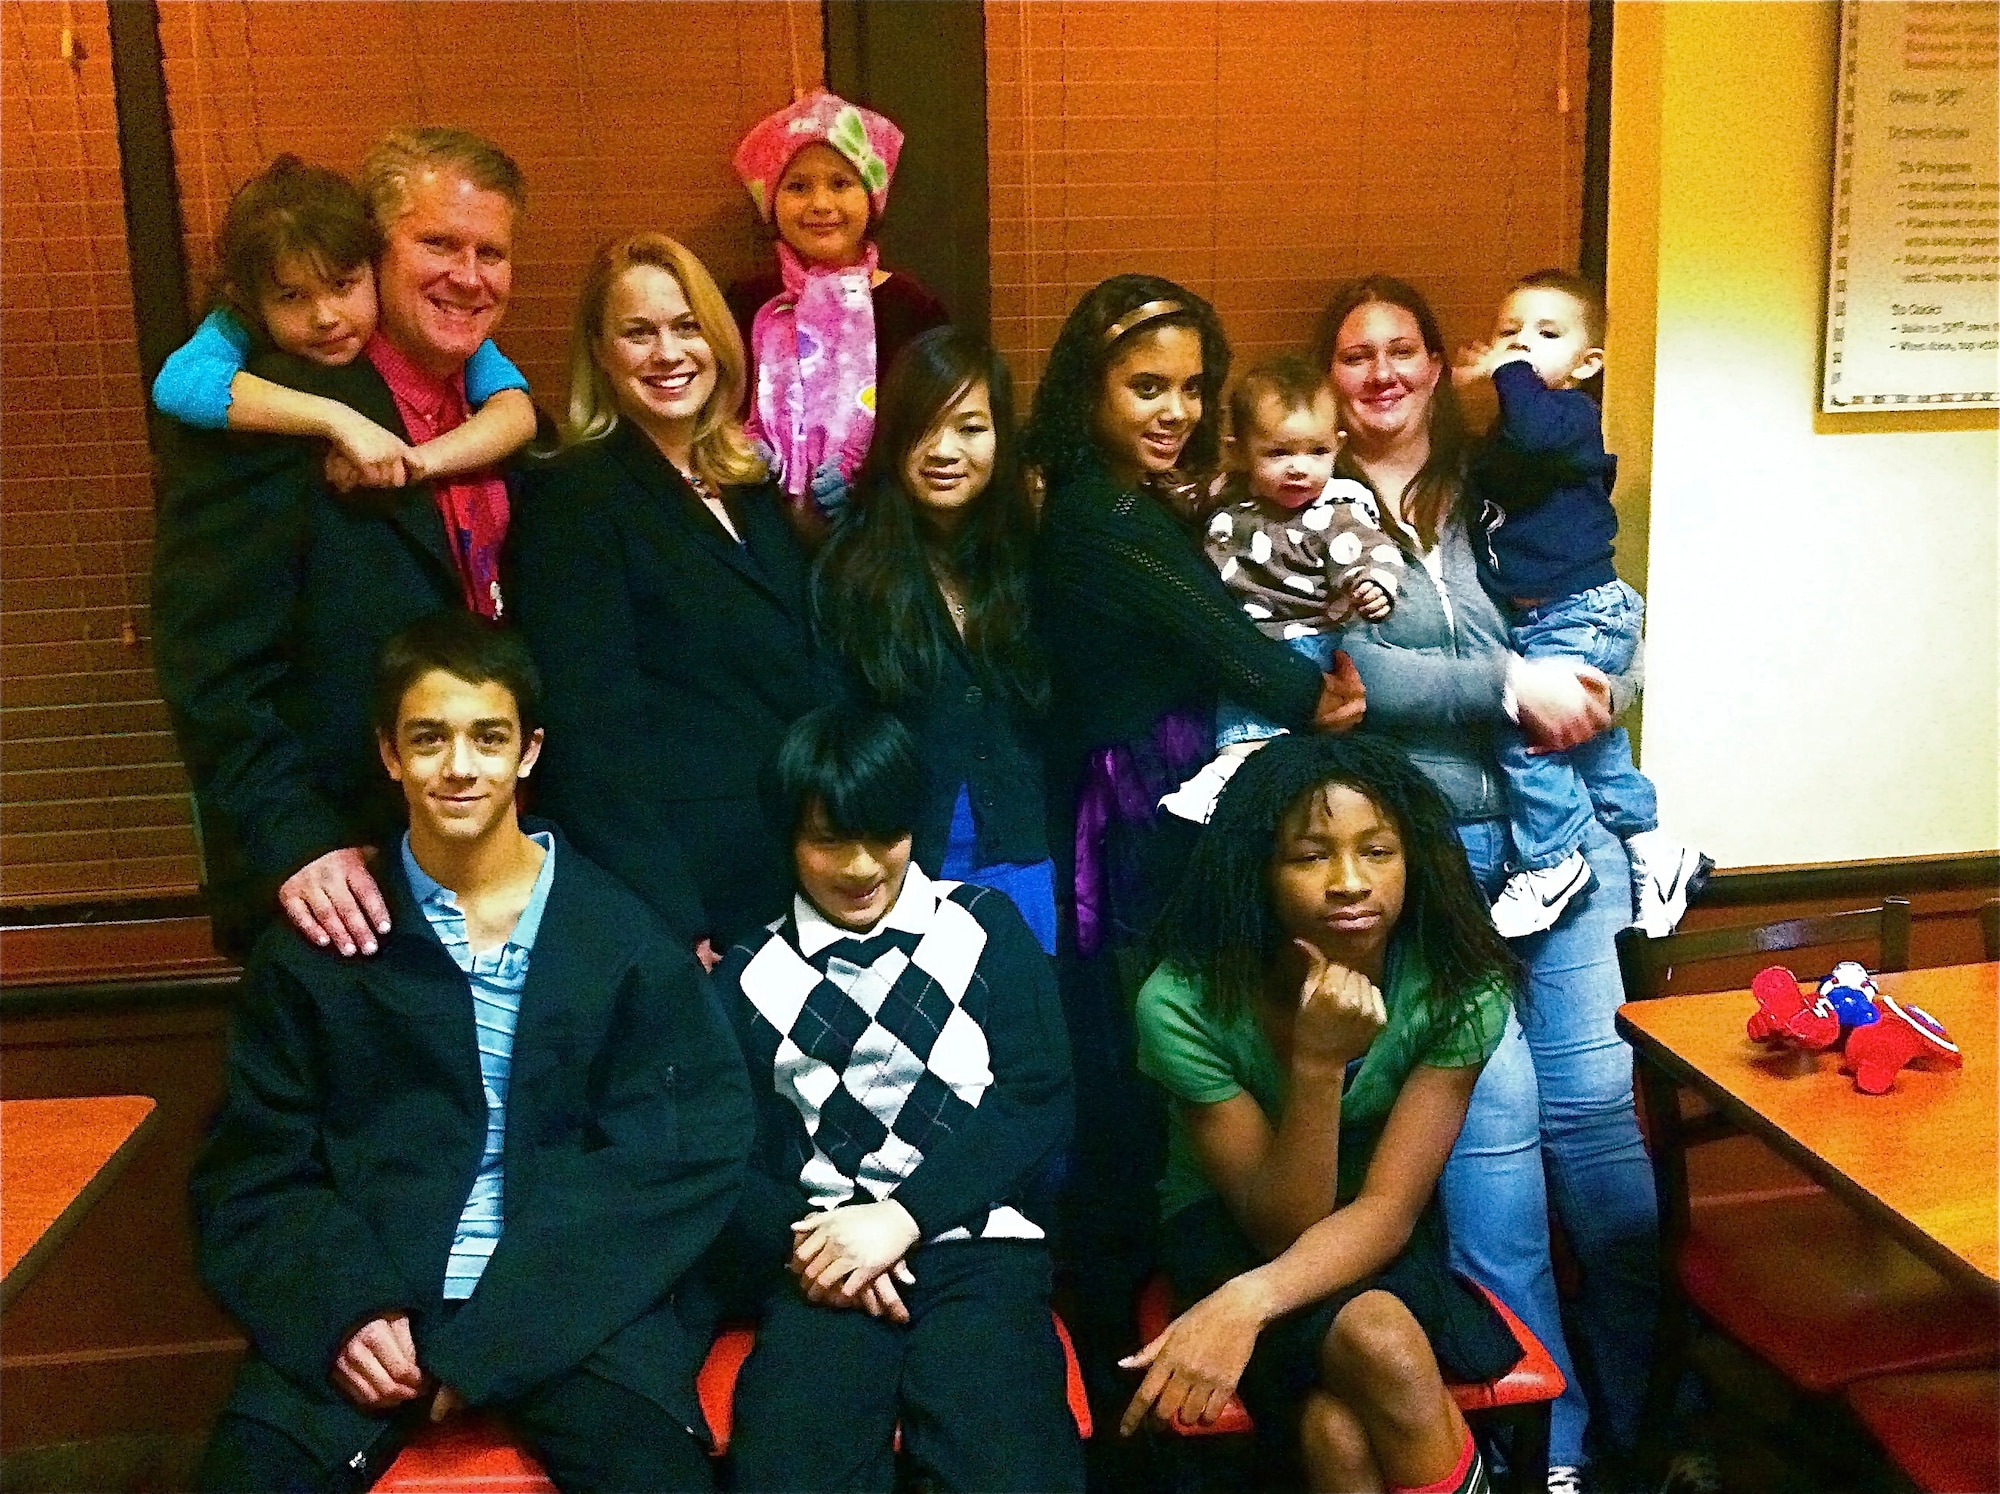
pixel 1559 1093
pixel 1235 723
pixel 1553 796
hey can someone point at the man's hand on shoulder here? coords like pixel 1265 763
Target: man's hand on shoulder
pixel 334 900
pixel 377 1366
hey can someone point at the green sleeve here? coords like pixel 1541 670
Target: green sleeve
pixel 1471 1038
pixel 1180 1041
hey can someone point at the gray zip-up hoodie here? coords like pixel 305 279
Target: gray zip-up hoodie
pixel 1436 671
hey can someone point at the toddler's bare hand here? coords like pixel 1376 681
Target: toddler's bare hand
pixel 1371 599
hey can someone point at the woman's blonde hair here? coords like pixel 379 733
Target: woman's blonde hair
pixel 721 453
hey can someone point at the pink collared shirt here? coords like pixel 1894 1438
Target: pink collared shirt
pixel 473 505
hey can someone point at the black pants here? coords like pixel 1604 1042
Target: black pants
pixel 1203 1246
pixel 590 1434
pixel 976 1379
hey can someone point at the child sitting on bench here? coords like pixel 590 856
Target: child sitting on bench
pixel 911 1072
pixel 472 1169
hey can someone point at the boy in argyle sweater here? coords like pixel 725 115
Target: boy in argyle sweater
pixel 911 1073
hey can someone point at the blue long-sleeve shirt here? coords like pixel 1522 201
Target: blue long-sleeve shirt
pixel 1543 486
pixel 193 384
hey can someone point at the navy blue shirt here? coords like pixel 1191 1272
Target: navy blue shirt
pixel 1542 482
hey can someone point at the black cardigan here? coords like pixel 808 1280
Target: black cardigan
pixel 973 735
pixel 353 1124
pixel 1137 623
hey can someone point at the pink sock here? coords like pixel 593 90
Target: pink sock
pixel 1469 1477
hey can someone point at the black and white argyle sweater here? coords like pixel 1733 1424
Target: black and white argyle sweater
pixel 924 1060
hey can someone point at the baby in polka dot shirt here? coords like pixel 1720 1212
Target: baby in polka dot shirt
pixel 1301 550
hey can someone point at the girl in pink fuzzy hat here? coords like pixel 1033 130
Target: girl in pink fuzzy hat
pixel 825 326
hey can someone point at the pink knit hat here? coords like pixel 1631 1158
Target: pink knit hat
pixel 869 140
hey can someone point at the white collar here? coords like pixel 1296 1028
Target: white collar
pixel 911 913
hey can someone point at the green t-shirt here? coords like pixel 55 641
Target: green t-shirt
pixel 1203 1059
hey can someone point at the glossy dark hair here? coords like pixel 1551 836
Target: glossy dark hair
pixel 860 765
pixel 872 590
pixel 289 210
pixel 465 646
pixel 1438 487
pixel 1062 434
pixel 1219 927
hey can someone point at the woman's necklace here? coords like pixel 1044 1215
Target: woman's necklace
pixel 711 497
pixel 949 590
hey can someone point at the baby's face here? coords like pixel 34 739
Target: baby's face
pixel 1290 452
pixel 316 312
pixel 1549 325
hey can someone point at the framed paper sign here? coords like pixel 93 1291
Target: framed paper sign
pixel 1913 279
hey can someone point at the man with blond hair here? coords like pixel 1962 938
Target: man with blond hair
pixel 272 594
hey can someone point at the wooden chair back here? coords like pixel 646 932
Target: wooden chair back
pixel 1647 965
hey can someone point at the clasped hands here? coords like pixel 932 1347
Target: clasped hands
pixel 853 1256
pixel 364 455
pixel 377 1369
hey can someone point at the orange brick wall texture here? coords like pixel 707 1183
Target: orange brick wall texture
pixel 623 116
pixel 92 799
pixel 1259 152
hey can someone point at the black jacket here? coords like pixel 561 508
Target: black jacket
pixel 353 1124
pixel 1137 623
pixel 971 734
pixel 271 598
pixel 674 659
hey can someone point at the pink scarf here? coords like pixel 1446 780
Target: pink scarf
pixel 815 348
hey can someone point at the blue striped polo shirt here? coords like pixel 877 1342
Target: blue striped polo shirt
pixel 496 979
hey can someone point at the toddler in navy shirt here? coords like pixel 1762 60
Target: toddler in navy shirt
pixel 1541 484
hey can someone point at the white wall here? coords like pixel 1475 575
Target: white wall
pixel 1822 678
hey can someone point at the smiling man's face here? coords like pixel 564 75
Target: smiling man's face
pixel 446 270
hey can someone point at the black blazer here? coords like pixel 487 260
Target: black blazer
pixel 271 598
pixel 352 1127
pixel 674 659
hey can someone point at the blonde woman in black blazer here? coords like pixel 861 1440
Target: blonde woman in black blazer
pixel 664 597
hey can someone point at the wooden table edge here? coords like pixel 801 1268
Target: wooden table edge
pixel 1747 1118
pixel 36 1256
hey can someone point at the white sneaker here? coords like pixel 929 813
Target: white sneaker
pixel 1665 874
pixel 1563 1479
pixel 1195 799
pixel 1533 900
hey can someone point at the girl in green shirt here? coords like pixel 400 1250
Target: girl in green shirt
pixel 1329 983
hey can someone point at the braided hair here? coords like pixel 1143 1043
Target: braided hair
pixel 1219 928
